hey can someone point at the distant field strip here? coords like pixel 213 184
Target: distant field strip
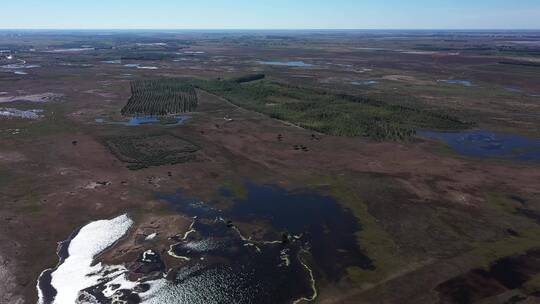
pixel 329 113
pixel 160 97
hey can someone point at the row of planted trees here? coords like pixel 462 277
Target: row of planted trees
pixel 160 97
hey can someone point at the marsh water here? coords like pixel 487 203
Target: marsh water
pixel 139 66
pixel 148 120
pixel 466 83
pixel 294 223
pixel 329 229
pixel 365 82
pixel 286 63
pixel 488 144
pixel 300 239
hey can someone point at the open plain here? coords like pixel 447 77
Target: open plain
pixel 315 167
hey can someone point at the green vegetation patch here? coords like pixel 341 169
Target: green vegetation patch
pixel 155 150
pixel 528 231
pixel 329 113
pixel 372 238
pixel 237 188
pixel 160 97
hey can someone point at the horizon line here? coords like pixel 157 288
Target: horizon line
pixel 268 29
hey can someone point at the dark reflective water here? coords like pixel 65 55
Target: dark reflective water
pixel 327 228
pixel 487 144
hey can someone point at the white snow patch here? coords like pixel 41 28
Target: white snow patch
pixel 151 236
pixel 75 273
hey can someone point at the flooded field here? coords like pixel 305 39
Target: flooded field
pixel 139 66
pixel 365 82
pixel 488 144
pixel 71 50
pixel 147 120
pixel 297 64
pixel 465 83
pixel 25 114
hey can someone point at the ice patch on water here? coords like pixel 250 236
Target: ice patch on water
pixel 75 273
pixel 138 66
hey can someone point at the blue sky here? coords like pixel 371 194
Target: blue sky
pixel 270 14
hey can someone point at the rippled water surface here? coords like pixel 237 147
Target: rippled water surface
pixel 329 229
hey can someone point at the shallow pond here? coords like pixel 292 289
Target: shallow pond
pixel 365 82
pixel 466 83
pixel 488 144
pixel 286 63
pixel 148 120
pixel 329 229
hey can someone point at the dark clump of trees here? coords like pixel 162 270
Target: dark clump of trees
pixel 160 97
pixel 249 78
